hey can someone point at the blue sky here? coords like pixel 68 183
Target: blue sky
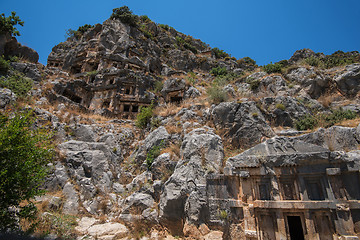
pixel 267 31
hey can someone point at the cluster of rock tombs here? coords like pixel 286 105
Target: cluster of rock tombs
pixel 237 167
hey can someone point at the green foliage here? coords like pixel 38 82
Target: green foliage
pixel 247 61
pixel 220 53
pixel 17 83
pixel 307 122
pixel 186 43
pixel 190 47
pixel 144 116
pixel 153 153
pixel 254 83
pixel 125 15
pixel 223 214
pixel 78 33
pixel 4 65
pixel 313 61
pixel 272 68
pixel 91 74
pixel 60 224
pixel 145 19
pixel 165 27
pixel 338 115
pixel 24 154
pixel 280 106
pixel 7 24
pixel 145 31
pixel 158 85
pixel 218 71
pixel 338 58
pixel 217 94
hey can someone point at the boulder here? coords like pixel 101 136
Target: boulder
pixel 6 97
pixel 244 123
pixel 201 153
pixel 91 165
pixel 192 93
pixel 71 203
pixel 155 138
pixel 9 46
pixel 30 70
pixel 162 166
pixel 137 202
pixel 349 81
pixel 303 54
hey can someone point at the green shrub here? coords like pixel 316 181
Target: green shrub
pixel 272 68
pixel 220 53
pixel 78 33
pixel 158 86
pixel 4 65
pixel 280 106
pixel 152 154
pixel 145 19
pixel 7 24
pixel 17 83
pixel 338 115
pixel 165 27
pixel 247 61
pixel 218 71
pixel 217 94
pixel 125 15
pixel 24 155
pixel 190 47
pixel 307 122
pixel 144 116
pixel 313 61
pixel 254 83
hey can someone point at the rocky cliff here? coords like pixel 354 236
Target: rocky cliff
pixel 121 178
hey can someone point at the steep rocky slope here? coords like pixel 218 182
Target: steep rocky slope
pixel 123 179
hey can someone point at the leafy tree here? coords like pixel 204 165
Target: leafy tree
pixel 125 15
pixel 24 154
pixel 7 24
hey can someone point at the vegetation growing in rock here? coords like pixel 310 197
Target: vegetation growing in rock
pixel 217 94
pixel 152 154
pixel 144 116
pixel 17 83
pixel 4 65
pixel 220 53
pixel 272 68
pixel 7 24
pixel 218 71
pixel 24 154
pixel 78 33
pixel 125 15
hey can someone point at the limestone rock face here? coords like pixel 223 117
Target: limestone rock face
pixel 90 164
pixel 184 193
pixel 335 138
pixel 349 81
pixel 303 54
pixel 314 83
pixel 245 123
